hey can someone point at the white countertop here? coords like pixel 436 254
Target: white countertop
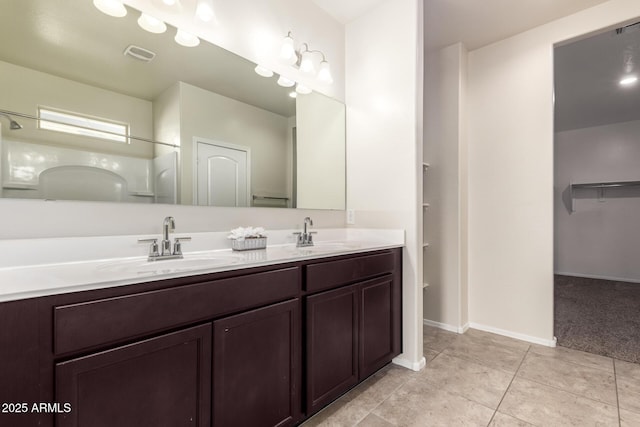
pixel 39 267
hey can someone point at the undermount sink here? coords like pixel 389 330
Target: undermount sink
pixel 193 262
pixel 328 247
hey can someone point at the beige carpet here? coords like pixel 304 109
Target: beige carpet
pixel 598 316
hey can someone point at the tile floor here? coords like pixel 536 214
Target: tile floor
pixel 482 379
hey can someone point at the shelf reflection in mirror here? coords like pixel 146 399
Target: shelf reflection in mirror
pixel 68 57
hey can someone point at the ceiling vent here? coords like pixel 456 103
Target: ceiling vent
pixel 139 53
pixel 628 28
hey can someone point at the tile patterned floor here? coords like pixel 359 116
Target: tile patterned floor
pixel 482 379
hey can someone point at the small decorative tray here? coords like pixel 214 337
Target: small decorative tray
pixel 249 243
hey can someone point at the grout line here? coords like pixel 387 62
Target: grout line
pixel 509 386
pixel 578 363
pixel 384 400
pixel 615 381
pixel 569 392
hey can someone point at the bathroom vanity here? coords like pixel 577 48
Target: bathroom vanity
pixel 265 345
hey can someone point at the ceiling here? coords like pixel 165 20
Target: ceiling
pixel 345 11
pixel 73 40
pixel 475 23
pixel 478 23
pixel 587 76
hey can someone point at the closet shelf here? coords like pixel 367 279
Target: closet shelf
pixel 600 186
pixel 613 184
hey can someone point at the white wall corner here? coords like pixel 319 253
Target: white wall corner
pixel 406 363
pixel 444 326
pixel 548 342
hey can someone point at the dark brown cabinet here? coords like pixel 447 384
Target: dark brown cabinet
pixel 379 330
pixel 162 381
pixel 265 346
pixel 353 330
pixel 256 367
pixel 332 345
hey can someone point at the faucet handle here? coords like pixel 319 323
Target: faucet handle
pixel 153 249
pixel 177 244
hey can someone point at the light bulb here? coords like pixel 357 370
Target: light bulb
pixel 186 39
pixel 302 89
pixel 285 82
pixel 324 73
pixel 293 94
pixel 263 71
pixel 151 24
pixel 169 2
pixel 306 63
pixel 113 8
pixel 204 10
pixel 629 80
pixel 288 50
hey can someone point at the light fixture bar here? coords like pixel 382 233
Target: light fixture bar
pixel 113 8
pixel 204 10
pixel 186 39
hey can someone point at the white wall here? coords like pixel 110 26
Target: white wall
pixel 600 239
pixel 255 30
pixel 445 301
pixel 240 32
pixel 321 146
pixel 208 115
pixel 510 138
pixel 384 134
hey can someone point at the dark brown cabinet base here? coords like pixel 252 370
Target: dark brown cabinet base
pixel 265 346
pixel 332 345
pixel 256 367
pixel 160 382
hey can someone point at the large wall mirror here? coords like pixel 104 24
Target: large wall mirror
pixel 85 115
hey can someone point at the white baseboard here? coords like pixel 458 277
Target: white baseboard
pixel 516 335
pixel 597 276
pixel 457 329
pixel 406 363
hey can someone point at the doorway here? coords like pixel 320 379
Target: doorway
pixel 597 193
pixel 222 174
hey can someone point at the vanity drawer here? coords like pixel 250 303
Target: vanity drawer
pixel 330 274
pixel 95 323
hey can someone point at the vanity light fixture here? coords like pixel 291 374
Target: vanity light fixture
pixel 113 8
pixel 628 80
pixel 285 82
pixel 204 10
pixel 151 24
pixel 288 50
pixel 303 59
pixel 302 89
pixel 172 6
pixel 324 73
pixel 186 39
pixel 263 71
pixel 306 61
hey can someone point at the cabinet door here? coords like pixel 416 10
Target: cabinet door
pixel 332 334
pixel 256 367
pixel 163 381
pixel 379 324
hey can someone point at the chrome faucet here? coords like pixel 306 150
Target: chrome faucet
pixel 305 238
pixel 168 225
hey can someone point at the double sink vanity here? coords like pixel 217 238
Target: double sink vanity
pixel 218 338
